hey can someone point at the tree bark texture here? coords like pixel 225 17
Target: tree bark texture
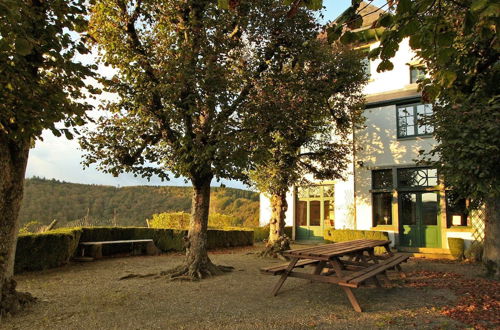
pixel 491 253
pixel 277 242
pixel 13 160
pixel 198 264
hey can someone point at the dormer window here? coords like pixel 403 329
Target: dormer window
pixel 416 72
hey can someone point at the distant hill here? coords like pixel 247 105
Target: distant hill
pixel 71 203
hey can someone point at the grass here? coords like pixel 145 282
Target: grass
pixel 89 295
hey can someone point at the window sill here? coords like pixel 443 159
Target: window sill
pixel 415 137
pixel 458 229
pixel 384 228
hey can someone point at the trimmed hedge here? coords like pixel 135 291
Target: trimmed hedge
pixel 46 250
pixel 262 233
pixel 55 248
pixel 342 235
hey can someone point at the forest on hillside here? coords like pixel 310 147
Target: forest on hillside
pixel 83 204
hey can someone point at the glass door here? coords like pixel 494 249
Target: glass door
pixel 313 211
pixel 419 219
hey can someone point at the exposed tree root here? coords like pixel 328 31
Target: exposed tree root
pixel 13 301
pixel 185 273
pixel 276 249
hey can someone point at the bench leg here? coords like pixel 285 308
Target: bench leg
pixel 352 299
pixel 283 277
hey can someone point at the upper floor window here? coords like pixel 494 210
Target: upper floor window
pixel 413 120
pixel 416 72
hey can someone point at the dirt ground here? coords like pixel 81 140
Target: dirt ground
pixel 89 295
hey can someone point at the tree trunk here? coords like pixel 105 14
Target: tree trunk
pixel 491 254
pixel 13 160
pixel 198 264
pixel 278 241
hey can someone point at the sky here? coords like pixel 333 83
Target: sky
pixel 59 158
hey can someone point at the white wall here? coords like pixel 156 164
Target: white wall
pixel 396 79
pixel 381 148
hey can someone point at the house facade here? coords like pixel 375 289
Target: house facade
pixel 384 188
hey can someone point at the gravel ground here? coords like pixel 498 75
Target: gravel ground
pixel 89 295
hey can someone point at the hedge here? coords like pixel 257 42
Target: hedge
pixel 46 250
pixel 342 235
pixel 55 248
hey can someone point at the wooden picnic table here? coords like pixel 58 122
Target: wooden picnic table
pixel 348 264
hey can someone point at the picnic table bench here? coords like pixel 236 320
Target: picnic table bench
pixel 347 264
pixel 94 249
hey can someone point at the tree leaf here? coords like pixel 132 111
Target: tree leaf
pixel 23 46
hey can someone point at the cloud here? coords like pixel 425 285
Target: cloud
pixel 59 158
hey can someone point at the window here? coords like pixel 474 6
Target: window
pixel 315 205
pixel 382 197
pixel 417 177
pixel 382 208
pixel 413 120
pixel 416 72
pixel 456 210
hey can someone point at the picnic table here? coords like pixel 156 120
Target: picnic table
pixel 347 264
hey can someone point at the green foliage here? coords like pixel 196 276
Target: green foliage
pixel 314 93
pixel 84 205
pixel 342 235
pixel 181 83
pixel 40 82
pixel 46 250
pixel 181 220
pixel 456 246
pixel 170 220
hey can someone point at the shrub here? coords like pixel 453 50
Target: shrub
pixel 179 220
pixel 456 246
pixel 46 250
pixel 342 235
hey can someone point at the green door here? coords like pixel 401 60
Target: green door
pixel 308 215
pixel 419 220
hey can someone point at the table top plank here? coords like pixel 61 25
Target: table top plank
pixel 327 251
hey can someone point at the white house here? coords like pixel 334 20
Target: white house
pixel 384 189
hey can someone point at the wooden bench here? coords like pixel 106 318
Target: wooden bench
pixel 95 248
pixel 354 280
pixel 277 270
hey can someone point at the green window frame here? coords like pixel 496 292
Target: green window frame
pixel 382 186
pixel 412 120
